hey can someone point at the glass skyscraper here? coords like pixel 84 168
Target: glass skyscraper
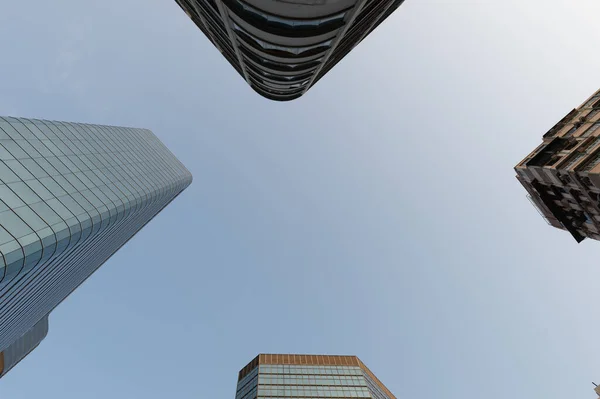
pixel 309 377
pixel 282 48
pixel 71 195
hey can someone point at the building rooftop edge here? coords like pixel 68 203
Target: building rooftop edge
pixel 313 360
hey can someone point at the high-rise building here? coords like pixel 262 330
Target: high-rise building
pixel 562 175
pixel 282 48
pixel 308 377
pixel 71 195
pixel 23 346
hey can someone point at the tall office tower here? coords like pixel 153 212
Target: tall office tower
pixel 562 175
pixel 23 346
pixel 71 195
pixel 310 377
pixel 282 48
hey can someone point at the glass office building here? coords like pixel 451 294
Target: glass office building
pixel 71 195
pixel 282 48
pixel 309 377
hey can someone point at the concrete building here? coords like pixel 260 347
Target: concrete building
pixel 310 377
pixel 71 195
pixel 562 175
pixel 282 48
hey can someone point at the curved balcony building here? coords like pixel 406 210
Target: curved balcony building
pixel 282 48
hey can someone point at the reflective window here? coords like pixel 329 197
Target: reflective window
pixel 294 381
pixel 280 50
pixel 275 91
pixel 278 78
pixel 286 26
pixel 70 196
pixel 277 85
pixel 281 66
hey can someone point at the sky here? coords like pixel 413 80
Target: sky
pixel 376 216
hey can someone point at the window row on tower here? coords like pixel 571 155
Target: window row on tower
pixel 294 391
pixel 283 26
pixel 280 379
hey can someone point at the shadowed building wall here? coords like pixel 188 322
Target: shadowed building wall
pixel 562 175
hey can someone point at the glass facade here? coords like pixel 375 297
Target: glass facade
pixel 71 195
pixel 248 385
pixel 375 389
pixel 23 346
pixel 318 381
pixel 283 48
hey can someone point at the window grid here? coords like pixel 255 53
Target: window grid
pixel 71 193
pixel 293 381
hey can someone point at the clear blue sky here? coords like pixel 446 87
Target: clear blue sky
pixel 378 215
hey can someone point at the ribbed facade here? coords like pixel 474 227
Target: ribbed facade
pixel 283 48
pixel 309 377
pixel 562 175
pixel 19 349
pixel 71 195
